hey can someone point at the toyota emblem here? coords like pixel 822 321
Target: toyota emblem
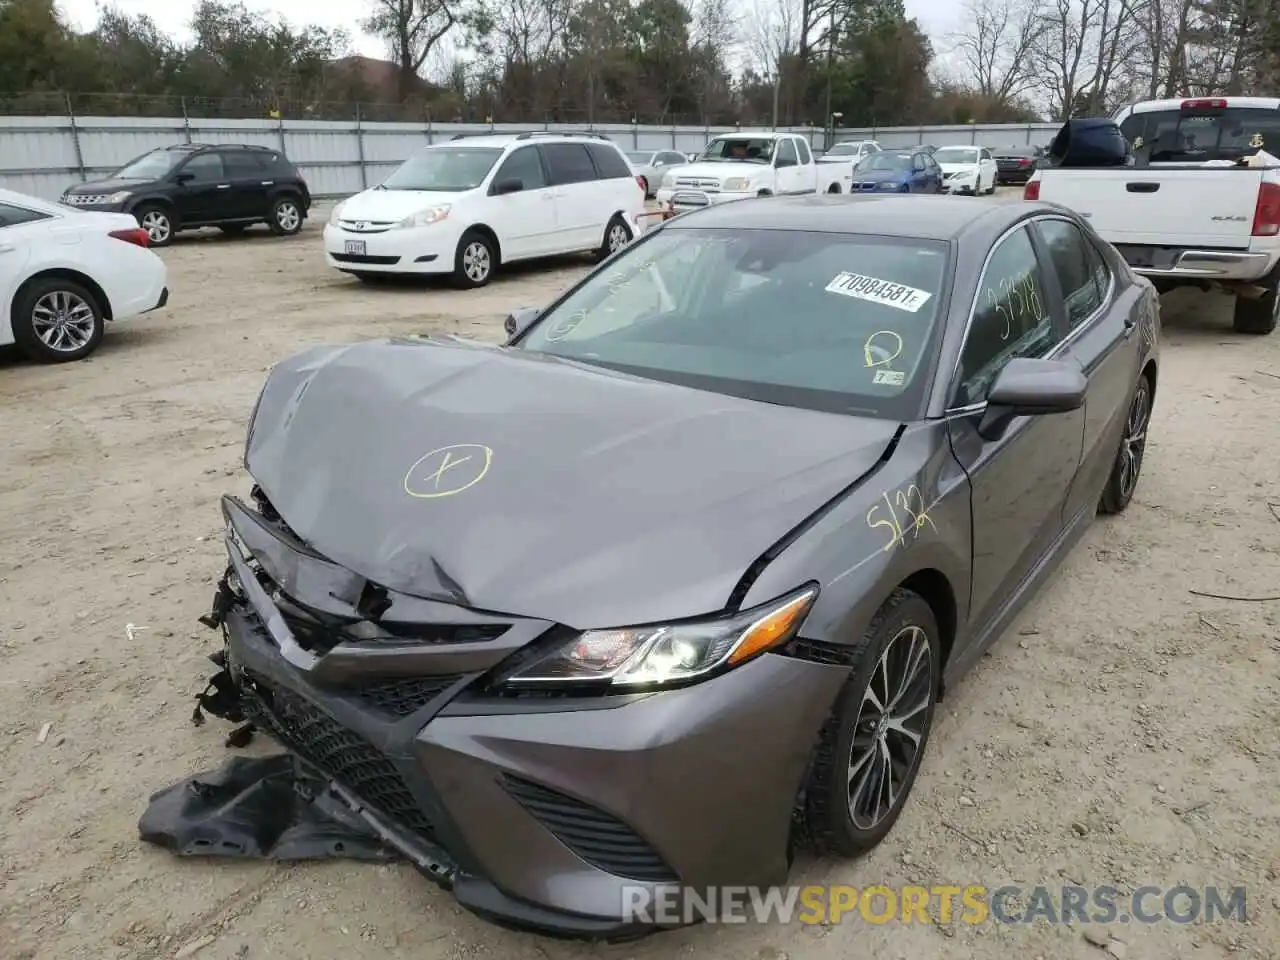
pixel 362 225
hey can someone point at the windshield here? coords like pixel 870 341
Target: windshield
pixel 449 169
pixel 885 161
pixel 956 155
pixel 740 149
pixel 150 166
pixel 842 150
pixel 640 158
pixel 817 320
pixel 1203 134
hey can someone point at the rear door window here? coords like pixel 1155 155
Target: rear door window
pixel 11 216
pixel 1069 252
pixel 609 162
pixel 569 163
pixel 805 156
pixel 242 164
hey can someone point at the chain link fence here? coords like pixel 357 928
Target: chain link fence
pixel 443 109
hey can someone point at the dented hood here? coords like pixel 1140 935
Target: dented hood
pixel 518 483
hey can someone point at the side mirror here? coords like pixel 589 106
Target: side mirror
pixel 183 177
pixel 519 321
pixel 511 185
pixel 1031 387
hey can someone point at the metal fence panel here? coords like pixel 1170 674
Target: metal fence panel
pixel 42 156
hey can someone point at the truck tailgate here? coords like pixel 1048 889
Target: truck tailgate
pixel 1204 206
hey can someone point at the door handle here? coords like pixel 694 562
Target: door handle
pixel 7 248
pixel 1145 187
pixel 268 183
pixel 224 186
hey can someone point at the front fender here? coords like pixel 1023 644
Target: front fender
pixel 911 515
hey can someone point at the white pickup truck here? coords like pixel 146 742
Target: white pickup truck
pixel 1185 213
pixel 749 164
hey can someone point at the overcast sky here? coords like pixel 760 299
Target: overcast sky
pixel 938 17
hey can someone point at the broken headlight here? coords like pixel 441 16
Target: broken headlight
pixel 668 653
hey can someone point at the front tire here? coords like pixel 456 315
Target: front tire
pixel 871 747
pixel 157 221
pixel 286 217
pixel 474 261
pixel 1126 470
pixel 57 320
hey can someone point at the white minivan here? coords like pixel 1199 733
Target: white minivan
pixel 466 206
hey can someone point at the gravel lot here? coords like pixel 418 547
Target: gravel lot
pixel 1124 732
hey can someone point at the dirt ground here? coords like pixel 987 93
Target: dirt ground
pixel 1123 732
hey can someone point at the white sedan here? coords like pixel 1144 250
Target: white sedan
pixel 967 169
pixel 65 272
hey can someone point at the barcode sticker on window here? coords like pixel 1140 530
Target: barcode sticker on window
pixel 883 292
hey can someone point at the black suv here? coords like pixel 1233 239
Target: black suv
pixel 228 186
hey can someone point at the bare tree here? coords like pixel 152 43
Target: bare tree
pixel 996 49
pixel 1063 55
pixel 412 28
pixel 773 40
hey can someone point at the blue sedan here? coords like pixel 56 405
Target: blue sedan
pixel 892 172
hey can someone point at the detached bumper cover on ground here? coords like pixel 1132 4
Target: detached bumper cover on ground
pixel 537 811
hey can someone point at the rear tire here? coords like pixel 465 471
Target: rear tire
pixel 841 815
pixel 1127 468
pixel 834 188
pixel 1259 316
pixel 56 320
pixel 158 221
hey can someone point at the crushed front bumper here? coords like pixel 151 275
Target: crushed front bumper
pixel 538 812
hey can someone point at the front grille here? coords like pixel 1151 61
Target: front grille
pixel 85 200
pixel 601 840
pixel 364 258
pixel 320 634
pixel 821 651
pixel 366 226
pixel 340 753
pixel 696 183
pixel 402 696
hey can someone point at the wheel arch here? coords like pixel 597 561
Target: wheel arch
pixel 490 234
pixel 66 273
pixel 1149 371
pixel 932 585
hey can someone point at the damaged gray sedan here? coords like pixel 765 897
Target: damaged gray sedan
pixel 672 583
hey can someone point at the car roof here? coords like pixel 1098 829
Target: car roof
pixel 920 217
pixel 537 136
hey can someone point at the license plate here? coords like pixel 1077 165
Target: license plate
pixel 354 246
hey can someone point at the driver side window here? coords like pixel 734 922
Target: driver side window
pixel 1011 318
pixel 524 165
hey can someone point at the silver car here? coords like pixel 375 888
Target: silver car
pixel 650 165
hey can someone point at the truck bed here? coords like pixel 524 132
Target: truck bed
pixel 1190 205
